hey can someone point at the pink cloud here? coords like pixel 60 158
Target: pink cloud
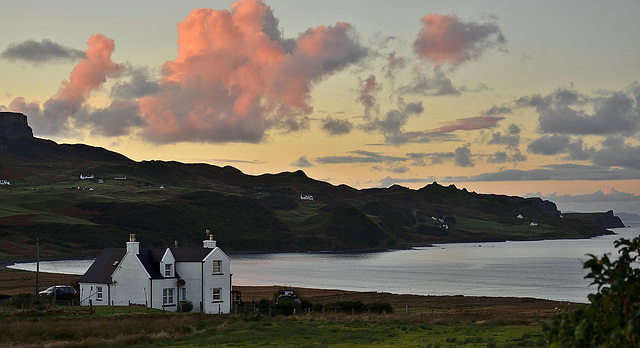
pixel 367 94
pixel 88 75
pixel 235 77
pixel 445 39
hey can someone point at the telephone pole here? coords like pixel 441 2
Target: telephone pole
pixel 35 293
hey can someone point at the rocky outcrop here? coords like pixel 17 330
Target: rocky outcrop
pixel 14 124
pixel 608 220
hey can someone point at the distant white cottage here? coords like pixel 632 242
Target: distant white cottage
pixel 4 182
pixel 306 197
pixel 86 176
pixel 160 278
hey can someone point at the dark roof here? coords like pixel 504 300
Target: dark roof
pixel 190 254
pixel 103 267
pixel 151 262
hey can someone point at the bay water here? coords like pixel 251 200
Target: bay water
pixel 548 269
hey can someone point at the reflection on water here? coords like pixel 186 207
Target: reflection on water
pixel 549 269
pixel 59 266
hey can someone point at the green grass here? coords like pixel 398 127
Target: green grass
pixel 319 332
pixel 76 327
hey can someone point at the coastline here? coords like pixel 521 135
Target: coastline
pixel 13 282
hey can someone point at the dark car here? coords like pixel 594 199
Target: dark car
pixel 60 292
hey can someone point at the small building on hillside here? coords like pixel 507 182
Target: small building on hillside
pixel 160 278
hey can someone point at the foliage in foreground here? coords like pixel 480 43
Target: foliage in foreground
pixel 613 317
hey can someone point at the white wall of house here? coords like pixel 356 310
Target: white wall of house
pixel 158 287
pixel 89 291
pixel 191 273
pixel 168 264
pixel 217 283
pixel 131 282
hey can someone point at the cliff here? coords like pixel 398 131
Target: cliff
pixel 606 220
pixel 14 124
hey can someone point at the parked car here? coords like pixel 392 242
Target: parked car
pixel 60 292
pixel 287 295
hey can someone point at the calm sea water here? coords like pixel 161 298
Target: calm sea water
pixel 550 269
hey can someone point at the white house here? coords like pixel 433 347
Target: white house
pixel 160 278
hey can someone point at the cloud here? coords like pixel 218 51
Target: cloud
pixel 235 78
pixel 616 153
pixel 613 112
pixel 463 157
pixel 467 123
pixel 511 139
pixel 399 169
pixel 56 115
pixel 445 39
pixel 360 157
pixel 601 200
pixel 561 96
pixel 549 145
pixel 559 172
pixel 433 158
pixel 141 83
pixel 45 51
pixel 302 162
pixel 438 85
pixel 498 110
pixel 394 63
pixel 367 95
pixel 119 118
pixel 335 126
pixel 391 125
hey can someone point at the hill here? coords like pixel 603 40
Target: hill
pixel 171 202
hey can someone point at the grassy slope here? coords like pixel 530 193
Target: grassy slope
pixel 246 213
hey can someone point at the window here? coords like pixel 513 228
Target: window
pixel 167 270
pixel 184 294
pixel 217 294
pixel 217 266
pixel 167 296
pixel 98 293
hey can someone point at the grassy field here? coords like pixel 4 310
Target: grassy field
pixel 431 321
pixel 76 328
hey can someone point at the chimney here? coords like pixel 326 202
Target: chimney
pixel 132 245
pixel 209 243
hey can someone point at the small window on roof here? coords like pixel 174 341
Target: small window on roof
pixel 116 262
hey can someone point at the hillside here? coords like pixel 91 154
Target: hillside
pixel 167 202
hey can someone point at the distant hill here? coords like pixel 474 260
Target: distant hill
pixel 171 202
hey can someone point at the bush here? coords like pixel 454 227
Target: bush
pixel 346 306
pixel 186 306
pixel 612 319
pixel 379 307
pixel 287 307
pixel 263 303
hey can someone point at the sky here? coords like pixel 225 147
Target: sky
pixel 528 98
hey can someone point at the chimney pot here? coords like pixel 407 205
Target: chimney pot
pixel 132 237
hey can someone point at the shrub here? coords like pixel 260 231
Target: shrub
pixel 263 303
pixel 346 306
pixel 287 307
pixel 612 319
pixel 186 306
pixel 379 307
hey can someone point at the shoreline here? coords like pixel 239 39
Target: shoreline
pixel 13 282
